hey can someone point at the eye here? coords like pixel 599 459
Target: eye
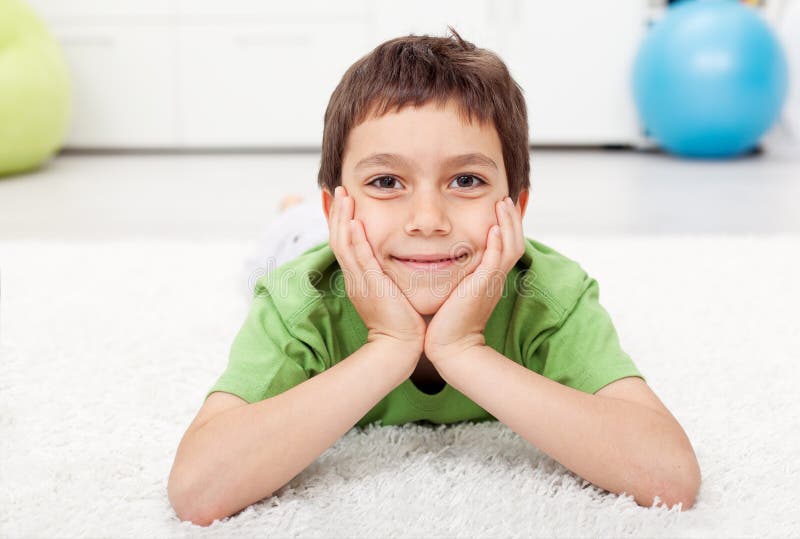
pixel 468 176
pixel 382 185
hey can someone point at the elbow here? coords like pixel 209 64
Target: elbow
pixel 692 478
pixel 673 496
pixel 691 486
pixel 682 488
pixel 186 504
pixel 197 520
pixel 193 502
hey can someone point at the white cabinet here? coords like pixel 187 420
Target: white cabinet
pixel 255 73
pixel 123 85
pixel 104 11
pixel 473 19
pixel 574 59
pixel 258 10
pixel 264 84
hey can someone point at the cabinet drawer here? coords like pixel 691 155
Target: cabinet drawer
pixel 123 85
pixel 474 20
pixel 573 59
pixel 104 10
pixel 261 85
pixel 270 11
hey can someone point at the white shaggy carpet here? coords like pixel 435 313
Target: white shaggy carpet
pixel 108 350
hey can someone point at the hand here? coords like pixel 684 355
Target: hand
pixel 384 309
pixel 461 320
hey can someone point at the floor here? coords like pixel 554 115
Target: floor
pixel 84 195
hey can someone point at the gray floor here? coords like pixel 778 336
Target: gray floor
pixel 89 196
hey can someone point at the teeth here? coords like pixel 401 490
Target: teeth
pixel 433 261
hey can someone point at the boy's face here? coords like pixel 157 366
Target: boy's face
pixel 424 204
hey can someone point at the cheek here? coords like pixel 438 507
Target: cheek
pixel 479 232
pixel 375 227
pixel 477 235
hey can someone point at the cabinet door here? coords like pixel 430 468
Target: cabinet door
pixel 123 85
pixel 262 84
pixel 573 59
pixel 259 10
pixel 474 20
pixel 105 10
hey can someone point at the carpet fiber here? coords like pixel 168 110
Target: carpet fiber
pixel 107 350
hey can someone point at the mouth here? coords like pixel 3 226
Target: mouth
pixel 430 262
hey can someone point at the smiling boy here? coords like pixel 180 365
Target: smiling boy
pixel 427 303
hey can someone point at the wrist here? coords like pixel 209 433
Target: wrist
pixel 438 354
pixel 402 351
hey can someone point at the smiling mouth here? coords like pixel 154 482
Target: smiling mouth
pixel 453 259
pixel 431 264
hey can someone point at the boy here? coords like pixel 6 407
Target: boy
pixel 427 303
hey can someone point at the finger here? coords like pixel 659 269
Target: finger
pixel 346 236
pixel 492 255
pixel 362 249
pixel 513 242
pixel 504 218
pixel 489 273
pixel 343 252
pixel 519 231
pixel 354 268
pixel 343 227
pixel 336 236
pixel 333 219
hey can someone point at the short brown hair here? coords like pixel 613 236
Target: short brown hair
pixel 416 70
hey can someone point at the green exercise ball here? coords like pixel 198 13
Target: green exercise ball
pixel 34 90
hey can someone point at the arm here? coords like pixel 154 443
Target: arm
pixel 615 444
pixel 620 445
pixel 246 453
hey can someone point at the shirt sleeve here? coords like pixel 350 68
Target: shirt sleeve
pixel 584 352
pixel 265 358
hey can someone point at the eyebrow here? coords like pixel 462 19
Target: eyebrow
pixel 393 159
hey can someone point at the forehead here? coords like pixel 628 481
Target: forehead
pixel 417 136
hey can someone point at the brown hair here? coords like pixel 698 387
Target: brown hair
pixel 416 70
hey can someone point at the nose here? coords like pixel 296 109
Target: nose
pixel 428 215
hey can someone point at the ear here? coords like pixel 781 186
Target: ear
pixel 327 202
pixel 522 200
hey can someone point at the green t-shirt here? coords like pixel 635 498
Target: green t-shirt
pixel 301 323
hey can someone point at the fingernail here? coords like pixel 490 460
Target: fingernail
pixel 509 202
pixel 496 230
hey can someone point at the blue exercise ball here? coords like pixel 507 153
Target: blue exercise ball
pixel 710 78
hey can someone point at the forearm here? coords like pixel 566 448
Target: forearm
pixel 614 444
pixel 245 454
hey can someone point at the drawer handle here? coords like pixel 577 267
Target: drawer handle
pixel 270 40
pixel 88 40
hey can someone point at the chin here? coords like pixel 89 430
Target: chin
pixel 426 304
